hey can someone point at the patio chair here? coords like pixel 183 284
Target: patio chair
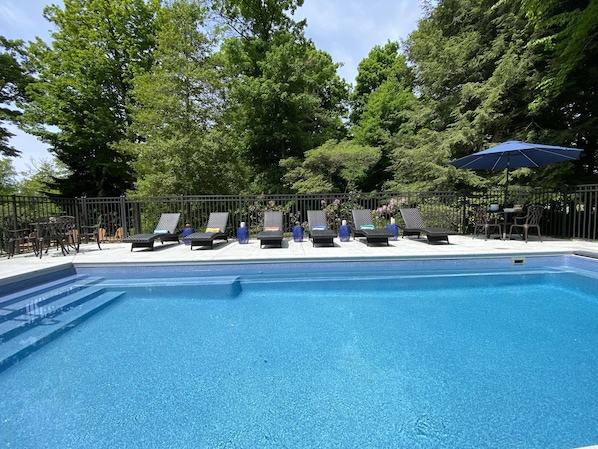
pixel 363 226
pixel 414 225
pixel 482 221
pixel 318 229
pixel 272 233
pixel 20 239
pixel 530 220
pixel 215 230
pixel 92 231
pixel 165 231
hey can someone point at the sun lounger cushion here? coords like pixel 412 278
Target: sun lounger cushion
pixel 212 229
pixel 367 227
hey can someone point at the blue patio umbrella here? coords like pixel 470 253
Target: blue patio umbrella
pixel 516 154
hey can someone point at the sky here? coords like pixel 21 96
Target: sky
pixel 346 29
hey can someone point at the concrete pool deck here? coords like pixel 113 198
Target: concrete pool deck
pixel 26 264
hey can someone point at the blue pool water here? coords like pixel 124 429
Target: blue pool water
pixel 367 355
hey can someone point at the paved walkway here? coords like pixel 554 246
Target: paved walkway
pixel 24 265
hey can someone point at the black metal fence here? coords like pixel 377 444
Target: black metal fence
pixel 568 212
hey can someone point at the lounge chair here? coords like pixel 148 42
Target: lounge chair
pixel 530 220
pixel 364 227
pixel 318 229
pixel 215 230
pixel 414 225
pixel 272 233
pixel 165 231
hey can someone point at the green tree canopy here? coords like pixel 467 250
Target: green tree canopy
pixel 285 95
pixel 332 167
pixel 81 98
pixel 475 78
pixel 176 140
pixel 8 177
pixel 14 79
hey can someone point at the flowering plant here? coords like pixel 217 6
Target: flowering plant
pixel 333 212
pixel 384 213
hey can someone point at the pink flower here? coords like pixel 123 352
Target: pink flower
pixel 323 202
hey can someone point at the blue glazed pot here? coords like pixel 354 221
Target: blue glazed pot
pixel 394 228
pixel 243 235
pixel 186 232
pixel 298 233
pixel 344 233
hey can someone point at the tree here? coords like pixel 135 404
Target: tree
pixel 180 149
pixel 475 78
pixel 7 177
pixel 39 175
pixel 332 167
pixel 382 65
pixel 80 101
pixel 285 95
pixel 383 95
pixel 568 32
pixel 565 96
pixel 14 79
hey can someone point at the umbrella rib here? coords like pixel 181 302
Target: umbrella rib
pixel 558 153
pixel 529 159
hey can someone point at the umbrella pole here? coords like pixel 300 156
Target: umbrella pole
pixel 506 189
pixel 507 182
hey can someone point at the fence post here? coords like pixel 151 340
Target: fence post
pixel 124 218
pixel 14 212
pixel 463 199
pixel 183 211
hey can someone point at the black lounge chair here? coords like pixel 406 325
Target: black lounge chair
pixel 414 225
pixel 318 229
pixel 272 233
pixel 363 226
pixel 215 230
pixel 165 231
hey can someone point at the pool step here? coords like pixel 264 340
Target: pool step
pixel 27 338
pixel 39 290
pixel 212 287
pixel 16 304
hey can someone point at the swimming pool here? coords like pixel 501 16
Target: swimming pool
pixel 419 354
